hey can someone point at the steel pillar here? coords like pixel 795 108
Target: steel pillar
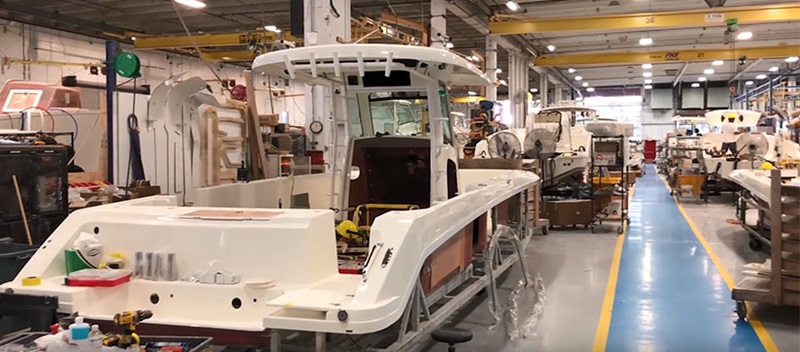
pixel 518 87
pixel 111 87
pixel 491 67
pixel 438 23
pixel 543 93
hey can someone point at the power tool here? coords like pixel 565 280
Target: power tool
pixel 128 321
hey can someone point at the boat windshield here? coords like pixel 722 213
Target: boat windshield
pixel 391 113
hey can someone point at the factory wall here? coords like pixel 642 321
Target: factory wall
pixel 27 42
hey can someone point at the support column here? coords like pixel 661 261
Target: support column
pixel 543 87
pixel 559 91
pixel 518 87
pixel 438 23
pixel 491 67
pixel 111 87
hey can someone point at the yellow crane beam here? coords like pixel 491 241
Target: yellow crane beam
pixel 672 19
pixel 652 57
pixel 206 40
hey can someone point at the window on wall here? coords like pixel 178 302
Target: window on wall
pixel 626 109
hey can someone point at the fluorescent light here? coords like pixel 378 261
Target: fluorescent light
pixel 590 89
pixel 534 90
pixel 472 93
pixel 475 58
pixel 513 6
pixel 647 86
pixel 762 76
pixel 647 74
pixel 646 41
pixel 708 71
pixel 499 70
pixel 195 4
pixel 647 66
pixel 271 28
pixel 648 81
pixel 133 38
pixel 551 47
pixel 702 79
pixel 744 35
pixel 503 82
pixel 449 45
pixel 748 83
pixel 791 59
pixel 571 70
pixel 774 69
pixel 695 85
pixel 718 63
pixel 585 84
pixel 578 78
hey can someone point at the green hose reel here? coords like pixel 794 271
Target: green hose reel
pixel 128 65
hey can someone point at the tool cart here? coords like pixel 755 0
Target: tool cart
pixel 778 280
pixel 609 194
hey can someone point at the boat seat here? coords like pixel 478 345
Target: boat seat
pixel 452 336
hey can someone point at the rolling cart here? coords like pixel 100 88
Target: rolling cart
pixel 609 194
pixel 779 282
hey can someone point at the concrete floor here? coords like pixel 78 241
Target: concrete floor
pixel 575 266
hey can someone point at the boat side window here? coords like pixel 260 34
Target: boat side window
pixel 354 117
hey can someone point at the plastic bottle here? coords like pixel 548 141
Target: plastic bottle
pixel 95 337
pixel 79 330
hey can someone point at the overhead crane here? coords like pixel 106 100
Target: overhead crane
pixel 671 56
pixel 506 25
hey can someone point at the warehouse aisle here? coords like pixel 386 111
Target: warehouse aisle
pixel 669 295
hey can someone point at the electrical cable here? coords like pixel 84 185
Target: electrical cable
pixel 74 121
pixel 10 119
pixel 40 110
pixel 333 10
pixel 197 48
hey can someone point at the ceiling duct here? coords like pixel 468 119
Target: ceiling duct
pixel 715 3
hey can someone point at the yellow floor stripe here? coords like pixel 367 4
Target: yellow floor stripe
pixel 601 336
pixel 761 332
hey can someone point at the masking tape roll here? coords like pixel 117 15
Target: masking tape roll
pixel 32 281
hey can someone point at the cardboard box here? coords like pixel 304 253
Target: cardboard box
pixel 569 212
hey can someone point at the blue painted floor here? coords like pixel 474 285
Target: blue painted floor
pixel 669 295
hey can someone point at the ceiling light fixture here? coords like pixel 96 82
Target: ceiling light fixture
pixel 708 71
pixel 271 28
pixel 648 86
pixel 571 70
pixel 791 59
pixel 762 76
pixel 646 41
pixel 534 90
pixel 503 82
pixel 748 83
pixel 512 5
pixel 499 70
pixel 718 63
pixel 472 93
pixel 648 81
pixel 647 66
pixel 195 4
pixel 449 45
pixel 551 48
pixel 702 79
pixel 647 74
pixel 590 89
pixel 133 38
pixel 774 69
pixel 744 35
pixel 585 84
pixel 578 78
pixel 695 85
